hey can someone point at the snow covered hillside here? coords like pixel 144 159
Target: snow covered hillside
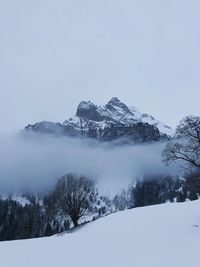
pixel 163 235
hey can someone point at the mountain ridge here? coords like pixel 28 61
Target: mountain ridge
pixel 112 121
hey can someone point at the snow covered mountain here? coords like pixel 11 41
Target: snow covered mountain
pixel 164 235
pixel 117 112
pixel 110 122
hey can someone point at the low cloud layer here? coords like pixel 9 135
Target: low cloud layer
pixel 36 163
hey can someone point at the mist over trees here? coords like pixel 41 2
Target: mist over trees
pixel 35 163
pixel 186 144
pixel 75 199
pixel 185 147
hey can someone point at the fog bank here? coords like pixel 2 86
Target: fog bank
pixel 35 163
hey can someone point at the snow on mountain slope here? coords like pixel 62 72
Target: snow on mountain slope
pixel 115 112
pixel 162 235
pixel 110 122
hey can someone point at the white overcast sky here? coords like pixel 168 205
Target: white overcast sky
pixel 55 53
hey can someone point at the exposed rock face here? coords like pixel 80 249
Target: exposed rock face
pixel 113 121
pixel 114 104
pixel 88 111
pixel 139 132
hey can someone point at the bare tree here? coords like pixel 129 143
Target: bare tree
pixel 186 144
pixel 74 194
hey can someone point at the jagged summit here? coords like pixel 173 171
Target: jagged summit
pixel 118 112
pixel 114 100
pixel 109 122
pixel 115 105
pixel 88 111
pixel 115 111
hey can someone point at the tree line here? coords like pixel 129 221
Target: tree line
pixel 75 200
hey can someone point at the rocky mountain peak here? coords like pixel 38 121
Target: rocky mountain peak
pixel 115 111
pixel 114 101
pixel 88 111
pixel 116 105
pixel 106 123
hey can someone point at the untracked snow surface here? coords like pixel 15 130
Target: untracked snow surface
pixel 164 235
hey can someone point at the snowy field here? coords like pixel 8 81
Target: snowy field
pixel 164 235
